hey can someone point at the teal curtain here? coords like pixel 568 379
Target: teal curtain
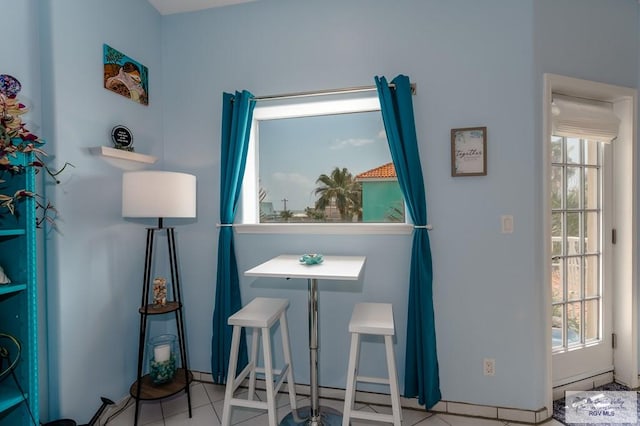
pixel 421 368
pixel 237 113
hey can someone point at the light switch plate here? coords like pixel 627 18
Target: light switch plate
pixel 507 224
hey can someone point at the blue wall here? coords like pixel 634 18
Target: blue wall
pixel 472 62
pixel 475 64
pixel 95 258
pixel 588 39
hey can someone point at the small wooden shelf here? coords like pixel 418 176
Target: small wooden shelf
pixel 149 391
pixel 125 160
pixel 105 151
pixel 157 310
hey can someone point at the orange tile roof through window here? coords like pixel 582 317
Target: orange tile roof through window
pixel 385 171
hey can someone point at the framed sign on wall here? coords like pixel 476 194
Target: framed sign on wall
pixel 469 151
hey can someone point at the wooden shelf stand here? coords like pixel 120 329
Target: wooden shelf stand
pixel 144 388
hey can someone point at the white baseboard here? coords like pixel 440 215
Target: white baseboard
pixel 444 407
pixel 583 384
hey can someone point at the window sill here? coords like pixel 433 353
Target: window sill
pixel 325 228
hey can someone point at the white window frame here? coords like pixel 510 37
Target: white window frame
pixel 248 217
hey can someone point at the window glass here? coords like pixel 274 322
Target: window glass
pixel 576 248
pixel 325 168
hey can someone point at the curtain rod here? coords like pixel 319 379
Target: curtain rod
pixel 326 92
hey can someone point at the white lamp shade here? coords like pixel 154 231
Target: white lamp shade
pixel 158 194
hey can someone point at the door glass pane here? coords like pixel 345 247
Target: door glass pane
pixel 573 234
pixel 574 275
pixel 591 153
pixel 573 188
pixel 557 290
pixel 591 279
pixel 556 187
pixel 591 188
pixel 591 319
pixel 556 149
pixel 556 233
pixel 591 232
pixel 574 323
pixel 557 327
pixel 573 150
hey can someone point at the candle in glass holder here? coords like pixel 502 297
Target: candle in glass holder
pixel 162 353
pixel 162 358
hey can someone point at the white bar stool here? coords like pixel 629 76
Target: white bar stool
pixel 375 319
pixel 261 313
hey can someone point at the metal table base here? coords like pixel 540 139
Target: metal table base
pixel 314 415
pixel 302 416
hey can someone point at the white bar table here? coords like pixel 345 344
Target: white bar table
pixel 332 268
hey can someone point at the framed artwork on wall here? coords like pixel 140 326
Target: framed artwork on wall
pixel 125 76
pixel 469 151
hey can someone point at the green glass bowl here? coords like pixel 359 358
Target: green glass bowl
pixel 311 259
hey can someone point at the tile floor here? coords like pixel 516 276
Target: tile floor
pixel 207 401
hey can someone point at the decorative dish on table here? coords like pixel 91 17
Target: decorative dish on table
pixel 311 258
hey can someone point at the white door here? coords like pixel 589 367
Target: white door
pixel 580 258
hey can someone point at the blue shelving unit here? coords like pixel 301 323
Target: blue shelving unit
pixel 19 300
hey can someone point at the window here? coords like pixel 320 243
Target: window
pixel 322 162
pixel 576 241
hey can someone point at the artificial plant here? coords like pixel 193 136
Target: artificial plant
pixel 16 138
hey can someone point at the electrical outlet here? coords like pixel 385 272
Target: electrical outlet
pixel 489 367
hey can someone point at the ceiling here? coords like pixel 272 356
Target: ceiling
pixel 167 7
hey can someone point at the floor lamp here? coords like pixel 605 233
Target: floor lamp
pixel 161 195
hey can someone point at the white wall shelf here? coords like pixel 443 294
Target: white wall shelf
pixel 126 160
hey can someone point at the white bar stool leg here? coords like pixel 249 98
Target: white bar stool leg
pixel 286 349
pixel 254 362
pixel 393 381
pixel 231 374
pixel 268 371
pixel 350 392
